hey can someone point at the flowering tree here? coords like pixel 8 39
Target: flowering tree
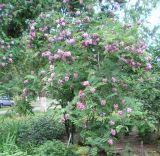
pixel 91 64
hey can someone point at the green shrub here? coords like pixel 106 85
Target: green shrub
pixel 38 131
pixel 52 148
pixel 8 127
pixel 23 107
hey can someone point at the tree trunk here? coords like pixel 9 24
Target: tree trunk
pixel 43 102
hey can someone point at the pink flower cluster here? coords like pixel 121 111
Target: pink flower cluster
pixel 24 92
pixel 139 49
pixel 90 40
pixel 110 142
pixel 61 22
pixel 65 1
pixel 32 30
pixel 6 58
pixel 48 54
pixel 71 41
pixel 2 6
pixel 103 102
pixel 85 83
pixel 43 29
pixel 111 48
pixel 64 34
pixel 130 62
pixel 81 95
pixel 62 55
pixel 80 105
pixel 148 67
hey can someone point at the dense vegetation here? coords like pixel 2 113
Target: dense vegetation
pixel 101 69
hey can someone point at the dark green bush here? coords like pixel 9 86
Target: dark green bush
pixel 38 131
pixel 52 148
pixel 16 13
pixel 8 127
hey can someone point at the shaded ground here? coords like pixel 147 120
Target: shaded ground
pixel 133 146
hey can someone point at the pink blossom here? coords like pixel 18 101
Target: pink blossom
pixel 129 25
pixel 139 23
pixel 60 81
pixel 125 85
pixel 61 22
pixel 113 132
pixel 8 46
pixel 110 142
pixel 10 60
pixel 52 75
pixel 67 54
pixel 56 56
pixel 32 35
pixel 68 33
pixel 3 64
pixel 114 90
pixel 78 13
pixel 65 1
pixel 111 48
pixel 4 58
pixel 50 80
pixel 120 112
pixel 112 123
pixel 78 22
pixel 85 44
pixel 24 92
pixel 71 41
pixel 123 101
pixel 114 79
pixel 93 90
pixel 129 110
pixel 85 83
pixel 66 78
pixel 32 28
pixel 81 106
pixel 2 46
pixel 43 72
pixel 75 75
pixel 25 81
pixel 60 52
pixel 148 66
pixel 103 102
pixel 10 55
pixel 81 94
pixel 116 106
pixel 85 35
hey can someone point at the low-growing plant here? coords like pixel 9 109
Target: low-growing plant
pixel 38 131
pixel 23 107
pixel 52 148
